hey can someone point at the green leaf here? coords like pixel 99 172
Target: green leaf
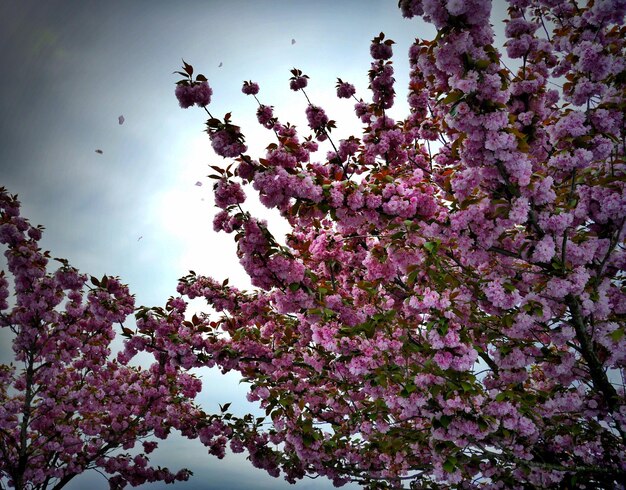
pixel 453 96
pixel 617 334
pixel 450 464
pixel 466 386
pixel 453 109
pixel 412 277
pixel 408 389
pixel 431 246
pixel 328 312
pixel 509 287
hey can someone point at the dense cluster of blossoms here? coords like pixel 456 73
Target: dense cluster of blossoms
pixel 227 141
pixel 447 312
pixel 191 91
pixel 298 81
pixel 381 73
pixel 449 306
pixel 66 404
pixel 197 93
pixel 448 309
pixel 250 88
pixel 345 90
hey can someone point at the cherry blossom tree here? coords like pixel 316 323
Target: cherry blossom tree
pixel 66 405
pixel 448 310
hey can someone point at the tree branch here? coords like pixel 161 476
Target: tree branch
pixel 598 376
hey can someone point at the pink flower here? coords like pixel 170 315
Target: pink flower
pixel 298 83
pixel 228 193
pixel 317 117
pixel 185 95
pixel 381 51
pixel 345 90
pixel 443 359
pixel 227 143
pixel 250 88
pixel 265 116
pixel 202 94
pixel 381 83
pixel 411 8
pixel 457 7
pixel 195 93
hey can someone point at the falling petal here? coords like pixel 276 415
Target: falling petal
pixel 199 184
pixel 220 65
pixel 120 120
pixel 293 41
pixel 99 151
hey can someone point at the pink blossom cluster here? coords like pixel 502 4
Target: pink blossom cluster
pixel 447 309
pixel 250 88
pixel 66 406
pixel 318 120
pixel 345 90
pixel 228 194
pixel 381 50
pixel 227 142
pixel 265 116
pixel 298 83
pixel 381 84
pixel 194 93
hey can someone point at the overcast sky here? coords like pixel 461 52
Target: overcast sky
pixel 71 68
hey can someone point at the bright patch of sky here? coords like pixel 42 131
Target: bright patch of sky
pixel 71 69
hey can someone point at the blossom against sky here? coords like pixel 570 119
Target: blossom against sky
pixel 94 143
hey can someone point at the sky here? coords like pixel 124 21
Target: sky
pixel 71 68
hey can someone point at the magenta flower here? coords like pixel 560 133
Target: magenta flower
pixel 265 116
pixel 185 95
pixel 345 90
pixel 202 94
pixel 298 80
pixel 318 121
pixel 250 88
pixel 316 116
pixel 379 49
pixel 228 193
pixel 194 93
pixel 298 83
pixel 227 143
